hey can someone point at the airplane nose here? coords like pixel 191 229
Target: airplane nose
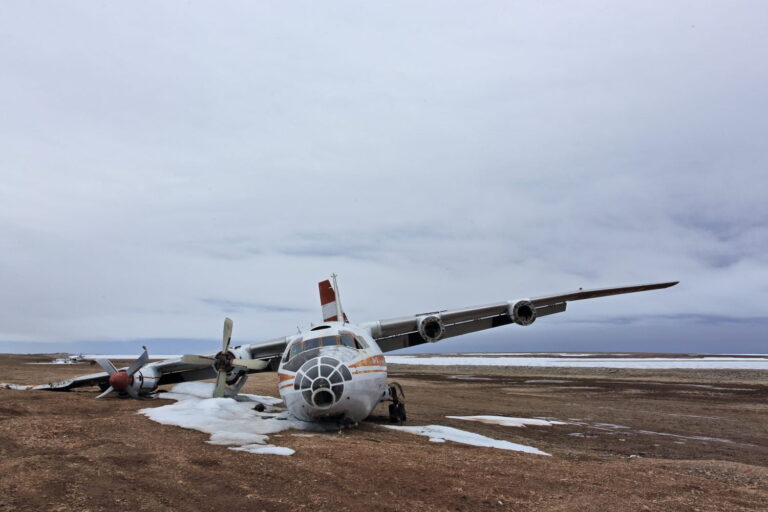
pixel 321 381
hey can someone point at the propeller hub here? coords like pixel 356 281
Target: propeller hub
pixel 223 361
pixel 120 380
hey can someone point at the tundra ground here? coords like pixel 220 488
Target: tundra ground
pixel 632 440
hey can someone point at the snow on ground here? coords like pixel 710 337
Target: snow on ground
pixel 610 428
pixel 228 421
pixel 506 421
pixel 59 363
pixel 20 387
pixel 125 357
pixel 734 363
pixel 441 433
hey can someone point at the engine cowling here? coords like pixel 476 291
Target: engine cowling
pixel 431 328
pixel 146 380
pixel 522 312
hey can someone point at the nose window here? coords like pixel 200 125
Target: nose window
pixel 321 381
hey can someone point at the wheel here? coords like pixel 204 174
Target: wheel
pixel 393 413
pixel 397 413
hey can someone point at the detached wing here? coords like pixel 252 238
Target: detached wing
pixel 175 370
pixel 92 379
pixel 402 332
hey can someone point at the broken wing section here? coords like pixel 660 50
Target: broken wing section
pixel 397 333
pixel 174 370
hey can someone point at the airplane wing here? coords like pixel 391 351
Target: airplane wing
pixel 171 371
pixel 396 333
pixel 175 370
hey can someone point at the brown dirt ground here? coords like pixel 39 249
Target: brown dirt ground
pixel 67 451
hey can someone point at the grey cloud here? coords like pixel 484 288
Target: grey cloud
pixel 432 155
pixel 235 306
pixel 682 318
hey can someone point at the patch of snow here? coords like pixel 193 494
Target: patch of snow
pixel 130 357
pixel 60 362
pixel 229 422
pixel 506 421
pixel 573 354
pixel 468 377
pixel 18 387
pixel 694 438
pixel 264 448
pixel 733 363
pixel 441 433
pixel 481 354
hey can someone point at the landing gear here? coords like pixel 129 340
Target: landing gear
pixel 397 407
pixel 397 413
pixel 234 386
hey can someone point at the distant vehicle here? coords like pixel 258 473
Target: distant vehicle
pixel 334 371
pixel 72 359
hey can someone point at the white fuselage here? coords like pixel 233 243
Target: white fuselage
pixel 336 372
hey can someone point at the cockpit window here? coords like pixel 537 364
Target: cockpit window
pixel 345 339
pixel 330 341
pixel 294 351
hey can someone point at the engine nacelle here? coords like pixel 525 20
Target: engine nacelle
pixel 431 328
pixel 146 380
pixel 522 312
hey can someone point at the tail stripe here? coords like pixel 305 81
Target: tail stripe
pixel 328 302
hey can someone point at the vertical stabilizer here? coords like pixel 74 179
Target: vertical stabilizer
pixel 330 302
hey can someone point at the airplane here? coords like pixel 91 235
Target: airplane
pixel 334 371
pixel 70 359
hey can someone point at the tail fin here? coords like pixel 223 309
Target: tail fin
pixel 330 303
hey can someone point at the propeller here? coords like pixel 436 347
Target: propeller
pixel 122 380
pixel 224 361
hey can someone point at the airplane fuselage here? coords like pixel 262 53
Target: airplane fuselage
pixel 334 371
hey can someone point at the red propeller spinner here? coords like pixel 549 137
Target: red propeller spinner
pixel 120 380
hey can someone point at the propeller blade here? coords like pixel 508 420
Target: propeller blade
pixel 251 364
pixel 227 334
pixel 221 385
pixel 107 365
pixel 195 359
pixel 108 391
pixel 137 364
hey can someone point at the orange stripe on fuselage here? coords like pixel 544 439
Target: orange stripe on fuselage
pixel 284 376
pixel 369 371
pixel 370 361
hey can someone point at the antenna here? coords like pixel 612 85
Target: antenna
pixel 339 310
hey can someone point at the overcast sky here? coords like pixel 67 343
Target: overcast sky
pixel 164 164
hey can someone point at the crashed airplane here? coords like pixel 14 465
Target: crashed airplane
pixel 334 371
